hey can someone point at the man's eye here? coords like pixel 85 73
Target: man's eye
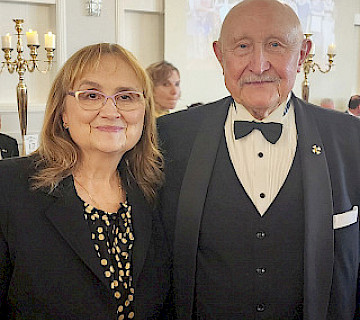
pixel 243 45
pixel 275 44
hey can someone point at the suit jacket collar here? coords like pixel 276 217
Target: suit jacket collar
pixel 319 237
pixel 318 246
pixel 191 202
pixel 67 216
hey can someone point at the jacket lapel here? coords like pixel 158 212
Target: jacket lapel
pixel 142 223
pixel 191 202
pixel 67 216
pixel 319 239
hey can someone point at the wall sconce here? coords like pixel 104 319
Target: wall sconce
pixel 93 8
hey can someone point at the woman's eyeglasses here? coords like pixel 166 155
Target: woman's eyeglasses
pixel 94 100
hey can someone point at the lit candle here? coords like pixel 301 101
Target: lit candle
pixel 312 50
pixel 6 41
pixel 332 49
pixel 32 37
pixel 49 40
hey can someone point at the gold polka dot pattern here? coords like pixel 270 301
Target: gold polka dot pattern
pixel 113 238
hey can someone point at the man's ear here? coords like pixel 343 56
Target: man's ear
pixel 218 51
pixel 304 51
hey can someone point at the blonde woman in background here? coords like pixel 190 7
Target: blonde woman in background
pixel 166 86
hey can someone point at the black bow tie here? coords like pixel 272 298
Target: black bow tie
pixel 271 131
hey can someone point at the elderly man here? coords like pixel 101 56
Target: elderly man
pixel 261 197
pixel 327 103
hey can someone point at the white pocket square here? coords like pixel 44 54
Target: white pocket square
pixel 345 219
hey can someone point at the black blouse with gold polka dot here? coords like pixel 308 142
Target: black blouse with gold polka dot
pixel 113 239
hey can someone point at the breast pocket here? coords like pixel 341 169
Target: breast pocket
pixel 342 220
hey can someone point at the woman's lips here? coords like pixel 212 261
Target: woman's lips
pixel 110 128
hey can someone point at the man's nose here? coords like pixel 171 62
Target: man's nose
pixel 259 60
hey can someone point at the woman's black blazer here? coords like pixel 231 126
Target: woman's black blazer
pixel 48 266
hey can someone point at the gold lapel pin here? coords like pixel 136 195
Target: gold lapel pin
pixel 316 149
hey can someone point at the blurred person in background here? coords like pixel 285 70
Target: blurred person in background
pixel 327 103
pixel 354 106
pixel 8 146
pixel 166 86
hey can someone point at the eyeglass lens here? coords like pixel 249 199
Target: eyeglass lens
pixel 125 100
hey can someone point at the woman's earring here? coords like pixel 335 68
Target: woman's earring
pixel 65 125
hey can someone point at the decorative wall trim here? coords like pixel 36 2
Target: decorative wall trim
pixel 6 108
pixel 144 5
pixel 61 32
pixel 120 22
pixel 33 1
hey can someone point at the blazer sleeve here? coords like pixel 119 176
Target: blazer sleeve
pixel 357 312
pixel 15 149
pixel 5 271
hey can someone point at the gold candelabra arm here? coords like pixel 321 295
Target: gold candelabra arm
pixel 50 58
pixel 32 63
pixel 49 61
pixel 11 66
pixel 329 66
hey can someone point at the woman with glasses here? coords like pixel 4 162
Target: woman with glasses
pixel 79 236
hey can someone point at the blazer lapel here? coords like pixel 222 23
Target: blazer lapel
pixel 191 202
pixel 142 223
pixel 67 216
pixel 319 239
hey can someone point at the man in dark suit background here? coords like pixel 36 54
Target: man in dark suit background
pixel 8 146
pixel 354 106
pixel 259 200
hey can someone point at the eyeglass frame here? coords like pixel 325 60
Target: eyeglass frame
pixel 76 93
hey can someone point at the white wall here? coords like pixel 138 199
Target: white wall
pixel 82 30
pixel 146 35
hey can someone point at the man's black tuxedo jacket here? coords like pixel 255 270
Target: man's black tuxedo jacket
pixel 331 179
pixel 48 265
pixel 8 146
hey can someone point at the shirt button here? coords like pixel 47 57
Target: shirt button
pixel 262 195
pixel 260 271
pixel 260 235
pixel 260 307
pixel 260 154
